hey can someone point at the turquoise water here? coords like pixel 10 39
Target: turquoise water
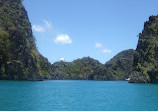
pixel 76 95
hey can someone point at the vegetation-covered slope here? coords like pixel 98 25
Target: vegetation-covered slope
pixel 121 65
pixel 146 57
pixel 84 69
pixel 118 68
pixel 19 58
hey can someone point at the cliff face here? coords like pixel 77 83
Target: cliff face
pixel 121 65
pixel 19 58
pixel 146 57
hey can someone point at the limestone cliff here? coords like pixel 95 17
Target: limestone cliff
pixel 19 58
pixel 146 56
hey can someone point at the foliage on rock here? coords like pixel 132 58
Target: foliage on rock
pixel 19 58
pixel 146 57
pixel 84 69
pixel 121 65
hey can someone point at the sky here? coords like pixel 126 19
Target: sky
pixel 71 29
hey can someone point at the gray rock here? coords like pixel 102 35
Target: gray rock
pixel 137 77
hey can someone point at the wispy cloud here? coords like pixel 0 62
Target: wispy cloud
pixel 63 39
pixel 38 28
pixel 47 29
pixel 42 28
pixel 101 48
pixel 106 51
pixel 98 45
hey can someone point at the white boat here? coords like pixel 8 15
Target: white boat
pixel 128 79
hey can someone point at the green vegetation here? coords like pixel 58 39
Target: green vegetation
pixel 4 44
pixel 19 58
pixel 120 67
pixel 146 56
pixel 42 63
pixel 84 69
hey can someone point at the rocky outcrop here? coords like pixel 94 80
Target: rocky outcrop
pixel 20 59
pixel 137 77
pixel 146 56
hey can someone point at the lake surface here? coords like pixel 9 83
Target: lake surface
pixel 77 95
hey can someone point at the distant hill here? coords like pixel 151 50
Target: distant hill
pixel 83 69
pixel 121 65
pixel 118 68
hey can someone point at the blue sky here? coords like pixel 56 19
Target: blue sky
pixel 71 29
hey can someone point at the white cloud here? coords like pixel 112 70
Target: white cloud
pixel 62 59
pixel 63 39
pixel 42 28
pixel 98 45
pixel 106 51
pixel 38 28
